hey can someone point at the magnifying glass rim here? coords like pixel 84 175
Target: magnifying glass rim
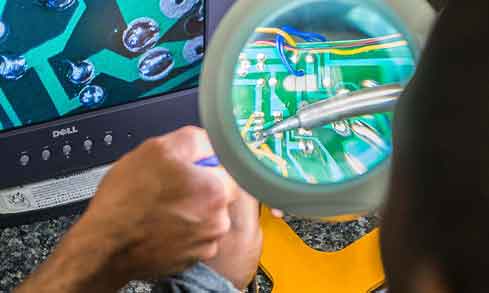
pixel 360 194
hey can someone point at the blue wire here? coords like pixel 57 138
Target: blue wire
pixel 309 37
pixel 280 46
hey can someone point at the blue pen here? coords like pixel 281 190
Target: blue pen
pixel 212 161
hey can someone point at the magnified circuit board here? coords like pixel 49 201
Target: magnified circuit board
pixel 266 92
pixel 64 57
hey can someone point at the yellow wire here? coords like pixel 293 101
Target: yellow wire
pixel 264 148
pixel 280 161
pixel 276 31
pixel 343 52
pixel 247 126
pixel 362 49
pixel 263 151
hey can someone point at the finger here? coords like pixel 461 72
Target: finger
pixel 190 144
pixel 206 250
pixel 244 213
pixel 277 213
pixel 218 225
pixel 230 188
pixel 205 190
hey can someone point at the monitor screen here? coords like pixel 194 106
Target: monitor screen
pixel 64 57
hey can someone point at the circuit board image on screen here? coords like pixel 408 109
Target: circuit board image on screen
pixel 65 57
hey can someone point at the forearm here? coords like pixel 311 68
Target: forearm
pixel 83 262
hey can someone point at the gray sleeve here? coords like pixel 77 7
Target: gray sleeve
pixel 198 279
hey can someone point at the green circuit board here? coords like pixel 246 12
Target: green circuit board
pixel 265 92
pixel 65 57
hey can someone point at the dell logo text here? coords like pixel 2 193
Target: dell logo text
pixel 65 131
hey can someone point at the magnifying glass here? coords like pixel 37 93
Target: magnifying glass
pixel 297 97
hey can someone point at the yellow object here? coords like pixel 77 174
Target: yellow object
pixel 361 49
pixel 276 159
pixel 247 126
pixel 264 150
pixel 342 52
pixel 294 267
pixel 281 163
pixel 276 31
pixel 342 219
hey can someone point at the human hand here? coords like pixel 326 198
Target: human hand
pixel 155 213
pixel 240 249
pixel 158 208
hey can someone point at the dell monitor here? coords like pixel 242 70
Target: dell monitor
pixel 82 82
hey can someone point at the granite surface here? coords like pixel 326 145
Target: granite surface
pixel 23 248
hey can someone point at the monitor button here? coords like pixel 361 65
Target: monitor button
pixel 24 160
pixel 67 150
pixel 46 155
pixel 108 139
pixel 88 144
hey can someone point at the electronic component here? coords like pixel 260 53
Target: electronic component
pixel 81 72
pixel 155 64
pixel 351 84
pixel 92 96
pixel 141 34
pixel 193 50
pixel 176 8
pixel 12 67
pixel 58 4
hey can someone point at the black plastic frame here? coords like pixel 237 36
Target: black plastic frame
pixel 129 125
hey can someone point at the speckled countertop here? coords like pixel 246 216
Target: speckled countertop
pixel 23 248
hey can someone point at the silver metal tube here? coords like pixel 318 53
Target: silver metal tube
pixel 368 101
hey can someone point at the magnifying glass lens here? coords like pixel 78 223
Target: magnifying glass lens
pixel 312 53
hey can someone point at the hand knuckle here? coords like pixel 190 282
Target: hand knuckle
pixel 209 251
pixel 163 148
pixel 214 187
pixel 223 225
pixel 153 144
pixel 194 186
pixel 189 138
pixel 217 200
pixel 189 132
